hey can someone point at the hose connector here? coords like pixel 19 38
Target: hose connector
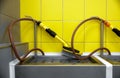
pixel 107 24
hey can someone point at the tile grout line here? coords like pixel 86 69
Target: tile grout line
pixel 42 21
pixel 75 20
pixel 106 9
pixel 62 18
pixel 9 16
pixel 105 28
pixel 84 25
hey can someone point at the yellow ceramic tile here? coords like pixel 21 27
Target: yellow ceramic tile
pixel 89 47
pixel 92 31
pixel 69 27
pixel 27 34
pixel 31 46
pixel 113 9
pixel 56 26
pixel 73 9
pixel 52 47
pixel 113 47
pixel 70 10
pixel 51 9
pixel 95 8
pixel 110 35
pixel 30 8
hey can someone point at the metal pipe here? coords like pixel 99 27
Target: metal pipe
pixel 101 36
pixel 35 39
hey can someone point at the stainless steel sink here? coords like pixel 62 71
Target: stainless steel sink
pixel 59 67
pixel 115 61
pixel 59 60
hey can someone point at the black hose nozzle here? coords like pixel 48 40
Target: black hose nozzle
pixel 116 31
pixel 38 23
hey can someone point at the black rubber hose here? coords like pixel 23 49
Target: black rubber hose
pixel 116 31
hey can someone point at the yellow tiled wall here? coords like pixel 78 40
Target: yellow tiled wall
pixel 63 16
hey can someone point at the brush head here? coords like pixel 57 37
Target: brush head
pixel 67 54
pixel 67 51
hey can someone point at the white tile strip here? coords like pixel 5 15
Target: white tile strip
pixel 85 53
pixel 109 67
pixel 12 68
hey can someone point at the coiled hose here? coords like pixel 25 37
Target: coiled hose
pixel 74 32
pixel 21 59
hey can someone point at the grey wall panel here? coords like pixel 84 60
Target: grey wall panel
pixel 4 22
pixel 10 8
pixel 116 71
pixel 6 56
